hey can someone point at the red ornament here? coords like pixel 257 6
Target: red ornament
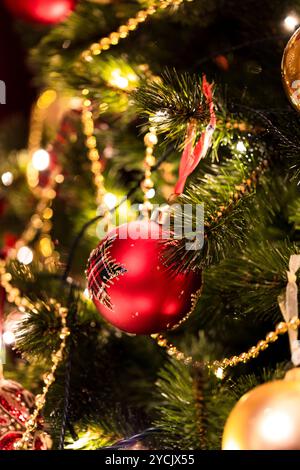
pixel 130 285
pixel 41 11
pixel 15 405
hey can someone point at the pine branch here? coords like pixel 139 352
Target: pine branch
pixel 227 192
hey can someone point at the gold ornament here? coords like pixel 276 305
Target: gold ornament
pixel 290 69
pixel 267 417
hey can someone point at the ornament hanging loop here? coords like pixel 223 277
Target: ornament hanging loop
pixel 288 304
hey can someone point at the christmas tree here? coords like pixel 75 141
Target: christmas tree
pixel 121 118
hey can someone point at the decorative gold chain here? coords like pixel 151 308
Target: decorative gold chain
pixel 56 358
pixel 147 184
pixel 218 367
pixel 114 38
pixel 91 144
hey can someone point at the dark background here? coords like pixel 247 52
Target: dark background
pixel 14 72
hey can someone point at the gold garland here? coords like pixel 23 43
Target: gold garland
pixel 57 357
pixel 218 367
pixel 124 30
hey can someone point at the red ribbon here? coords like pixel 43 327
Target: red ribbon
pixel 193 153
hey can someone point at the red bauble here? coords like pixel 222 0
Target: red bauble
pixel 41 11
pixel 15 406
pixel 131 286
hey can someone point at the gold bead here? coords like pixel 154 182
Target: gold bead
pixel 271 337
pixel 123 31
pixel 150 139
pixel 150 160
pixel 91 142
pixel 132 24
pixel 244 357
pixel 253 351
pixel 281 328
pixel 105 43
pixel 114 38
pixel 95 49
pixel 93 154
pixel 141 16
pixel 262 345
pixel 151 10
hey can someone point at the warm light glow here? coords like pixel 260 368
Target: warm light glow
pixel 150 194
pixel 118 80
pixel 290 22
pixel 9 337
pixel 40 160
pixel 86 294
pixel 46 247
pixel 25 255
pixel 48 213
pixel 276 426
pixel 110 200
pixel 46 99
pixel 59 179
pixel 219 373
pixel 7 178
pixel 240 146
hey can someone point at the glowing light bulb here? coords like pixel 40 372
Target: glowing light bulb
pixel 290 22
pixel 150 194
pixel 7 178
pixel 119 81
pixel 25 255
pixel 8 337
pixel 240 146
pixel 86 294
pixel 110 200
pixel 219 373
pixel 40 160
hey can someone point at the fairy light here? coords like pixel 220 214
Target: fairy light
pixel 150 194
pixel 240 146
pixel 25 255
pixel 86 294
pixel 110 200
pixel 46 246
pixel 290 22
pixel 40 160
pixel 7 178
pixel 9 338
pixel 219 373
pixel 118 80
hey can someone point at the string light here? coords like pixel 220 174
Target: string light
pixel 40 160
pixel 9 338
pixel 219 373
pixel 86 294
pixel 118 80
pixel 7 178
pixel 110 200
pixel 150 194
pixel 25 255
pixel 240 146
pixel 290 22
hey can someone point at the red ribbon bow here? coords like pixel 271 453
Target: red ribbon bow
pixel 193 153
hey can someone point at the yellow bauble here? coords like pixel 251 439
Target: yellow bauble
pixel 290 68
pixel 266 418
